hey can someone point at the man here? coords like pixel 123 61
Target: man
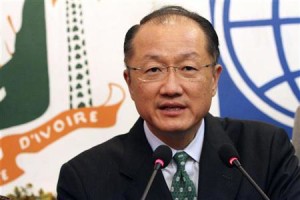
pixel 172 75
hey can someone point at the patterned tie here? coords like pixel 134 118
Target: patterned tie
pixel 182 187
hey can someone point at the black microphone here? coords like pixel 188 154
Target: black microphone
pixel 162 157
pixel 230 157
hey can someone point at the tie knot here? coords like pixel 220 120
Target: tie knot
pixel 180 159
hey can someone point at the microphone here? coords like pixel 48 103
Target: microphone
pixel 230 157
pixel 162 157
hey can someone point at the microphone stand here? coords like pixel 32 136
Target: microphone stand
pixel 156 168
pixel 239 166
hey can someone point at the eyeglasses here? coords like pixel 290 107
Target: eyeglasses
pixel 158 73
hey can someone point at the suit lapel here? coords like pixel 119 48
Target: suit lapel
pixel 137 164
pixel 216 180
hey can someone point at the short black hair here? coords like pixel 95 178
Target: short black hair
pixel 166 12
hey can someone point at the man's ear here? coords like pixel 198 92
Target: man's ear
pixel 127 78
pixel 216 76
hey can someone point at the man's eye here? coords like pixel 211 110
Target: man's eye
pixel 188 68
pixel 153 70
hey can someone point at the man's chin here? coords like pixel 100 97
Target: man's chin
pixel 173 129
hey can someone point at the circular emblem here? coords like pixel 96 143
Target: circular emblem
pixel 260 46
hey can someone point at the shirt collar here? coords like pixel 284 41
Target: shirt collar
pixel 193 149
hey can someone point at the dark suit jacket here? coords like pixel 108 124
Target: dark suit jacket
pixel 120 168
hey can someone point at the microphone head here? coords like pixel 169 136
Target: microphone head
pixel 162 155
pixel 228 154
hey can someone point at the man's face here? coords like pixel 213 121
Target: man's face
pixel 172 105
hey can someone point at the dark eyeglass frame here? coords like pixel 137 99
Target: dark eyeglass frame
pixel 164 69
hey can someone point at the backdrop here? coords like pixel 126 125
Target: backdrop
pixel 62 89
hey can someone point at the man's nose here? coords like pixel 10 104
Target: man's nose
pixel 171 85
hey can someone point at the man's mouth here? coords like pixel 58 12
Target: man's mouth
pixel 171 107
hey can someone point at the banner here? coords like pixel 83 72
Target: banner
pixel 61 75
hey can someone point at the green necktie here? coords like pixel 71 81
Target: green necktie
pixel 182 187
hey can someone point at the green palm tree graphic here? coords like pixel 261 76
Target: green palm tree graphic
pixel 79 81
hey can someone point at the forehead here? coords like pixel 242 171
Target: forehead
pixel 170 23
pixel 173 35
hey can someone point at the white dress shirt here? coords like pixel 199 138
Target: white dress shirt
pixel 193 150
